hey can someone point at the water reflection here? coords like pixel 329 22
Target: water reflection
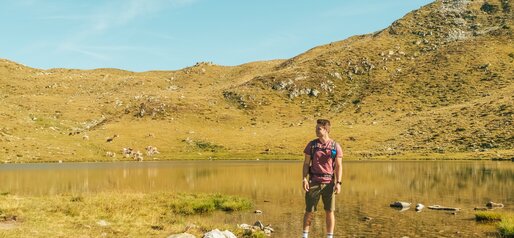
pixel 368 188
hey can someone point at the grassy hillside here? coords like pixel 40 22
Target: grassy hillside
pixel 438 83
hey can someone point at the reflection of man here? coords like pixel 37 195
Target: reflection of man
pixel 323 160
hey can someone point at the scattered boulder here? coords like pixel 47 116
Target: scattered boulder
pixel 219 234
pixel 419 207
pixel 399 204
pixel 136 155
pixel 259 224
pixel 258 212
pixel 268 230
pixel 367 218
pixel 228 234
pixel 492 204
pixel 245 226
pixel 151 150
pixel 439 207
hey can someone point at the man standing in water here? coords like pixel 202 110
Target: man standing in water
pixel 323 164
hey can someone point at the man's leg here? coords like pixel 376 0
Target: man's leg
pixel 329 204
pixel 307 221
pixel 311 201
pixel 331 221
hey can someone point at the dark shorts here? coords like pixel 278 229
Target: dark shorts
pixel 325 191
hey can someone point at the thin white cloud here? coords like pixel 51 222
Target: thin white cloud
pixel 111 16
pixel 120 15
pixel 93 54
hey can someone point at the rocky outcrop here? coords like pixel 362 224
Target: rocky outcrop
pixel 219 234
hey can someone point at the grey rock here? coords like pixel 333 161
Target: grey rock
pixel 259 224
pixel 214 234
pixel 492 204
pixel 245 226
pixel 419 207
pixel 219 234
pixel 399 204
pixel 228 234
pixel 314 92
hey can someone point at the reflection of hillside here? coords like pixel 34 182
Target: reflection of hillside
pixel 445 179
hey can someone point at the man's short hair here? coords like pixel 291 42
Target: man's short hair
pixel 324 123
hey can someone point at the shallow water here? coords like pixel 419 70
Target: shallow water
pixel 275 187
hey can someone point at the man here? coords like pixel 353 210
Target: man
pixel 323 164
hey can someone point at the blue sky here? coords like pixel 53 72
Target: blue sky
pixel 141 35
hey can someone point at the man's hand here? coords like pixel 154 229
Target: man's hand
pixel 305 185
pixel 337 188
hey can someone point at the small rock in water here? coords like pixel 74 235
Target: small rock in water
pixel 400 204
pixel 492 204
pixel 259 224
pixel 419 207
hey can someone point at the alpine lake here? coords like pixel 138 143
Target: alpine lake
pixel 274 187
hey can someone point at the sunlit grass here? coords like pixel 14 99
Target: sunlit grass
pixel 506 227
pixel 116 214
pixel 504 221
pixel 199 204
pixel 488 216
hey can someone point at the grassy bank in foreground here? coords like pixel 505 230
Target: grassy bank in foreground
pixel 115 214
pixel 504 222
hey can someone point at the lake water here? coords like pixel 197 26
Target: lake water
pixel 275 188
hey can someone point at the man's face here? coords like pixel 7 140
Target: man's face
pixel 320 131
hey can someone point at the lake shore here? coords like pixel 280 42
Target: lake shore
pixel 503 155
pixel 272 186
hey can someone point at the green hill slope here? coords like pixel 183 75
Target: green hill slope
pixel 438 83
